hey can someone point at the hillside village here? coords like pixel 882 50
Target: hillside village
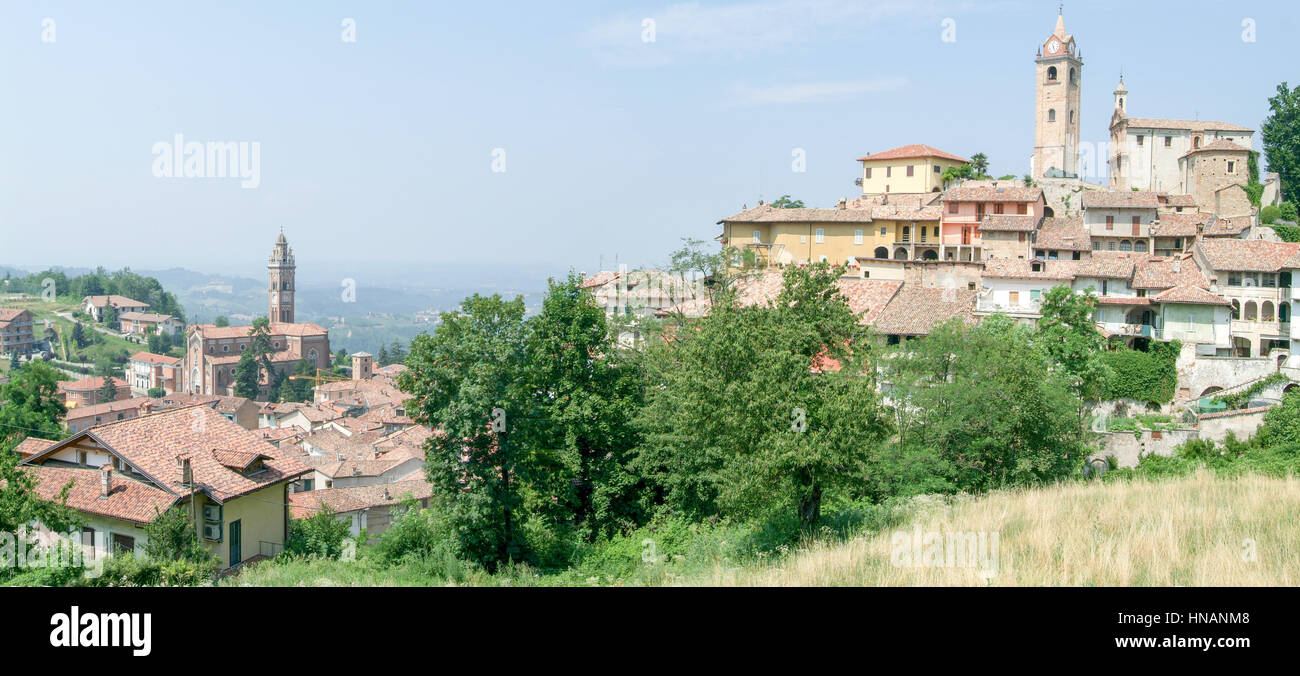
pixel 1172 247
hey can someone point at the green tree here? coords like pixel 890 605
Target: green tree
pixel 32 407
pixel 1281 137
pixel 586 393
pixel 108 391
pixel 983 406
pixel 382 357
pixel 173 537
pixel 739 422
pixel 221 322
pixel 79 335
pixel 979 164
pixel 1282 422
pixel 396 352
pixel 156 393
pixel 464 379
pixel 1069 336
pixel 14 364
pixel 784 202
pixel 322 534
pixel 247 376
pixel 110 316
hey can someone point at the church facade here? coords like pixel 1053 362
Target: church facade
pixel 211 352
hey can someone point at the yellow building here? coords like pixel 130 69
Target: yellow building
pixel 901 227
pixel 915 168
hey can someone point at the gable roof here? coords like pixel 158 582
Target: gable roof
pixel 910 151
pixel 1164 272
pixel 766 213
pixel 1191 295
pixel 988 193
pixel 1188 125
pixel 114 300
pixel 1120 199
pixel 154 444
pixel 1187 224
pixel 1064 233
pixel 1009 223
pixel 1249 255
pixel 915 311
pixel 1219 145
pixel 352 498
pixel 129 500
pixel 151 358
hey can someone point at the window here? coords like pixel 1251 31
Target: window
pixel 1234 279
pixel 1051 74
pixel 88 541
pixel 1268 281
pixel 1033 295
pixel 1110 222
pixel 1196 142
pixel 952 207
pixel 1232 167
pixel 909 169
pixel 821 235
pixel 1096 245
pixel 1054 255
pixel 1022 208
pixel 1022 236
pixel 936 231
pixel 883 230
pixel 758 236
pixel 868 170
pixel 1051 115
pixel 936 169
pixel 1076 256
pixel 1110 246
pixel 225 348
pixel 857 236
pixel 889 171
pixel 1169 141
pixel 1141 140
pixel 1040 254
pixel 1013 297
pixel 907 233
pixel 1140 245
pixel 1125 245
pixel 997 208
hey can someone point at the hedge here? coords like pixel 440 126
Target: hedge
pixel 1145 376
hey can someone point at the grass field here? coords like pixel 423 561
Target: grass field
pixel 1199 529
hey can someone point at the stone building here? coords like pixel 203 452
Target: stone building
pixel 1215 175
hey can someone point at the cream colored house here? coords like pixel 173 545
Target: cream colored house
pixel 915 168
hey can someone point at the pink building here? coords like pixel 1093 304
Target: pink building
pixel 988 221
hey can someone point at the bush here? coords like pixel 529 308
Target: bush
pixel 127 570
pixel 1145 376
pixel 1269 214
pixel 1288 212
pixel 322 534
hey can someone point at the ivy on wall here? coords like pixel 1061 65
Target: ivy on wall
pixel 1150 376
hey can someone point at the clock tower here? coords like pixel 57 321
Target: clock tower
pixel 1056 110
pixel 280 269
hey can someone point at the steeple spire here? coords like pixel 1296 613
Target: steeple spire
pixel 1060 25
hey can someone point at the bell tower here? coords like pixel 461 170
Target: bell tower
pixel 1056 108
pixel 280 270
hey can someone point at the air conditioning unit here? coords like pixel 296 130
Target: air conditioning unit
pixel 212 513
pixel 212 531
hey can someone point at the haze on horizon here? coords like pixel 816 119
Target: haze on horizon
pixel 378 154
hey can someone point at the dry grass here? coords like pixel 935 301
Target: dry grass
pixel 1194 531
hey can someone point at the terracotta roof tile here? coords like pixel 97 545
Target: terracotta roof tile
pixel 913 150
pixel 1190 125
pixel 1166 272
pixel 1189 295
pixel 1009 223
pixel 992 194
pixel 1219 145
pixel 767 213
pixel 1063 233
pixel 1179 224
pixel 128 499
pixel 1120 199
pixel 1249 255
pixel 915 311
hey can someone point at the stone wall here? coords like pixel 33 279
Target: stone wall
pixel 1127 448
pixel 1064 196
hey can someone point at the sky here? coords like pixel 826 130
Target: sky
pixel 569 135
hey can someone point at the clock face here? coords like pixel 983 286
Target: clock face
pixel 1053 47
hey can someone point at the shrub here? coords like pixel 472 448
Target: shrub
pixel 1269 214
pixel 322 535
pixel 128 570
pixel 1145 376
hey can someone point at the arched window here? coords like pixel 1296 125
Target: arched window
pixel 1140 245
pixel 1252 312
pixel 1196 142
pixel 1051 74
pixel 881 252
pixel 1071 117
pixel 1051 115
pixel 900 254
pixel 1266 311
pixel 1236 309
pixel 1125 245
pixel 930 255
pixel 1074 77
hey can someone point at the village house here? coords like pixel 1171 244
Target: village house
pixel 125 474
pixel 148 370
pixel 87 391
pixel 82 418
pixel 1120 220
pixel 915 168
pixel 366 508
pixel 239 410
pixel 95 305
pixel 990 221
pixel 1255 276
pixel 1215 175
pixel 1062 238
pixel 140 323
pixel 16 331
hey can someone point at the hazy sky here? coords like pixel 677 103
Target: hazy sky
pixel 382 149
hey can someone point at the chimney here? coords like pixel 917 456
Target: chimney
pixel 842 204
pixel 187 474
pixel 105 480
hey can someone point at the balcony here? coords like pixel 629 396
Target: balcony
pixel 1263 328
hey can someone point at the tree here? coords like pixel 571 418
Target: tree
pixel 784 202
pixel 982 407
pixel 396 353
pixel 32 407
pixel 247 376
pixel 717 272
pixel 1069 336
pixel 79 335
pixel 220 322
pixel 14 364
pixel 173 537
pixel 156 393
pixel 108 391
pixel 738 422
pixel 382 357
pixel 1281 138
pixel 1282 422
pixel 110 316
pixel 979 163
pixel 586 393
pixel 465 380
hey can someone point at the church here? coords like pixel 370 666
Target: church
pixel 211 352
